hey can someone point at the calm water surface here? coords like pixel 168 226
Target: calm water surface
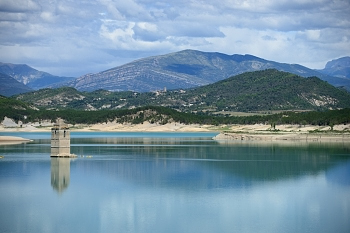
pixel 173 182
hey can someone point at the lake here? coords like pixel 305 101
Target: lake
pixel 173 182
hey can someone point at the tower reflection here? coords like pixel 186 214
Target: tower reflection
pixel 60 173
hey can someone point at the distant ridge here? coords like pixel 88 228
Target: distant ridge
pixel 339 68
pixel 179 70
pixel 31 77
pixel 186 69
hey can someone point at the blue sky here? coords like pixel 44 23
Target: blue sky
pixel 76 37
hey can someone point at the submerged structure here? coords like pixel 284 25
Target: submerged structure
pixel 60 140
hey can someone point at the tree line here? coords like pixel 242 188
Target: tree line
pixel 163 115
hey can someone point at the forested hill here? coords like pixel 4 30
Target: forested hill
pixel 269 90
pixel 252 91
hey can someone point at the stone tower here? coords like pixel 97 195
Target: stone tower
pixel 60 140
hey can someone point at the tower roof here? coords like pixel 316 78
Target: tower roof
pixel 60 124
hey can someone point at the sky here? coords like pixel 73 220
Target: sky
pixel 76 37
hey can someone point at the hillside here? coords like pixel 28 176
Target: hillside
pixel 31 77
pixel 52 98
pixel 185 69
pixel 18 111
pixel 15 109
pixel 252 91
pixel 10 86
pixel 70 98
pixel 267 90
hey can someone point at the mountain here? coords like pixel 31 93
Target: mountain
pixel 31 77
pixel 267 90
pixel 251 91
pixel 339 68
pixel 10 86
pixel 185 69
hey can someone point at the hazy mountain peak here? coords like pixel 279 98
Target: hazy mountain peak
pixel 31 77
pixel 338 63
pixel 339 68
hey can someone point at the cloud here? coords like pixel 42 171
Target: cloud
pixel 310 35
pixel 147 32
pixel 282 15
pixel 18 6
pixel 89 36
pixel 120 10
pixel 120 35
pixel 191 29
pixel 16 17
pixel 268 37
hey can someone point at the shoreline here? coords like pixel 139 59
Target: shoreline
pixel 7 140
pixel 257 132
pixel 179 127
pixel 117 127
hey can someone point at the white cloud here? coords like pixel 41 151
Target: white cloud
pixel 119 36
pixel 126 9
pixel 70 34
pixel 48 16
pixel 147 32
pixel 147 26
pixel 311 35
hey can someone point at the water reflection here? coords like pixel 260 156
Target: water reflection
pixel 201 168
pixel 340 174
pixel 207 163
pixel 60 173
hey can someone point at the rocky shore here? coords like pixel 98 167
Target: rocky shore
pixel 285 136
pixel 257 132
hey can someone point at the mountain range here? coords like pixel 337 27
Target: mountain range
pixel 180 70
pixel 32 78
pixel 186 69
pixel 248 92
